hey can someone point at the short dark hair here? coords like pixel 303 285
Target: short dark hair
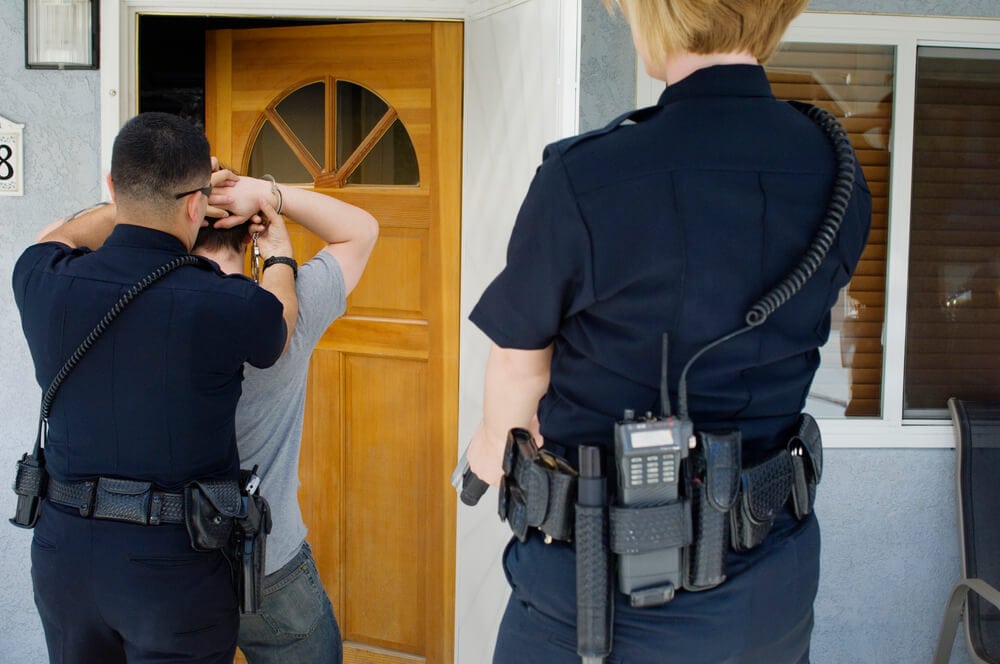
pixel 212 238
pixel 157 155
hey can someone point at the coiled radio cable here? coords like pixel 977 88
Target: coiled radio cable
pixel 85 345
pixel 826 234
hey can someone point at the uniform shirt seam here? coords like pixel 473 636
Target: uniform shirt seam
pixel 592 259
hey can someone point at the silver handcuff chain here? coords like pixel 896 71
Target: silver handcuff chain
pixel 256 260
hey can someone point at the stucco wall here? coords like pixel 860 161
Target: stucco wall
pixel 607 66
pixel 61 118
pixel 971 8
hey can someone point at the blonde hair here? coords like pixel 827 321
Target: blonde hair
pixel 709 26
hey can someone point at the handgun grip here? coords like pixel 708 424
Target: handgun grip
pixel 473 488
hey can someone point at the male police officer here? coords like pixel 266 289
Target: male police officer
pixel 149 409
pixel 295 622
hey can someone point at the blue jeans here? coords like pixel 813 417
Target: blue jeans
pixel 296 621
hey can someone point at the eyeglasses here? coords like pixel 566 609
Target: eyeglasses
pixel 207 190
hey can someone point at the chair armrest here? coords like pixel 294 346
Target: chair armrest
pixel 953 613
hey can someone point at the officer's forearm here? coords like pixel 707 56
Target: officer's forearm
pixel 89 227
pixel 349 231
pixel 280 282
pixel 515 382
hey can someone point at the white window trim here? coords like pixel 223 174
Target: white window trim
pixel 905 34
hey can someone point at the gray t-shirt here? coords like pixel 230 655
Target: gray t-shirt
pixel 270 412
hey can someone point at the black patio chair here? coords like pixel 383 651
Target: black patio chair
pixel 977 443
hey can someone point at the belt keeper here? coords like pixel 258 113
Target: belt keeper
pixel 155 506
pixel 88 507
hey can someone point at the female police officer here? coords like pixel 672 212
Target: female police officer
pixel 675 222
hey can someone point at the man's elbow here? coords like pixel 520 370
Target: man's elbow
pixel 370 231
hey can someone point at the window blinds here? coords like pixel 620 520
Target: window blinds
pixel 855 83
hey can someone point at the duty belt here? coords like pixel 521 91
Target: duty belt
pixel 539 491
pixel 131 501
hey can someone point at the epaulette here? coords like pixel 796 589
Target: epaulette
pixel 634 116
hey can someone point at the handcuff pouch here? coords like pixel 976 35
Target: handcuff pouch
pixel 764 489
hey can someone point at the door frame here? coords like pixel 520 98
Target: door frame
pixel 549 101
pixel 119 48
pixel 120 22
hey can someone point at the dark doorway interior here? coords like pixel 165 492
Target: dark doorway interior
pixel 172 59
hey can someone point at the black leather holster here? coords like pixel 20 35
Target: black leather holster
pixel 210 510
pixel 538 489
pixel 219 515
pixel 250 535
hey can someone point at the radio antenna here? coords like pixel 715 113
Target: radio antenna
pixel 664 390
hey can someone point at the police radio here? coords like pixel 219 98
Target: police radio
pixel 648 452
pixel 648 455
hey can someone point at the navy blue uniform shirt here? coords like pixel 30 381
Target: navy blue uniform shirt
pixel 155 398
pixel 677 223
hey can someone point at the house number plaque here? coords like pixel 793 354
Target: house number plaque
pixel 11 158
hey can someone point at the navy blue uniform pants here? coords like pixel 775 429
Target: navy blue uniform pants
pixel 111 592
pixel 762 613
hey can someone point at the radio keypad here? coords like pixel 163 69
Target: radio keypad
pixel 651 469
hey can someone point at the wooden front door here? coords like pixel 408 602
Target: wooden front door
pixel 370 113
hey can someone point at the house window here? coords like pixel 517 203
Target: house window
pixel 855 83
pixel 355 129
pixel 953 285
pixel 919 322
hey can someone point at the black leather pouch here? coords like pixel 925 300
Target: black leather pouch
pixel 209 509
pixel 122 500
pixel 29 485
pixel 713 483
pixel 806 451
pixel 561 515
pixel 764 490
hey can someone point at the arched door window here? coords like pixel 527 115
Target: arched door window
pixel 368 144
